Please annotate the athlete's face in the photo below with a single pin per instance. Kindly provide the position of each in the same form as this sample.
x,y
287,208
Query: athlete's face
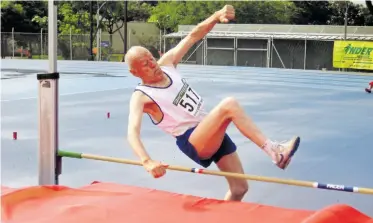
x,y
146,67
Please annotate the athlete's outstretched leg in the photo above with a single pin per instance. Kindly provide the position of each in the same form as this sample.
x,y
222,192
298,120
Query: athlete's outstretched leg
x,y
206,140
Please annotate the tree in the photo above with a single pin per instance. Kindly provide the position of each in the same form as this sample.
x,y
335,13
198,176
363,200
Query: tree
x,y
170,14
113,19
357,15
369,6
331,13
265,12
68,16
139,11
167,14
72,18
19,14
311,12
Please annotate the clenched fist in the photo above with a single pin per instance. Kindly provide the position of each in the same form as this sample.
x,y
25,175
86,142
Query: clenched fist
x,y
155,168
226,13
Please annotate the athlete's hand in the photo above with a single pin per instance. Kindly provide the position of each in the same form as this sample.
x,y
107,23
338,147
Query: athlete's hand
x,y
226,13
155,168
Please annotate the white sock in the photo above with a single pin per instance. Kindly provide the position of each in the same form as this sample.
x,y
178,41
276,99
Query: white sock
x,y
268,148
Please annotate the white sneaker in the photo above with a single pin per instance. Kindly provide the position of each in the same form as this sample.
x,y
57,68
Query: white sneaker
x,y
285,151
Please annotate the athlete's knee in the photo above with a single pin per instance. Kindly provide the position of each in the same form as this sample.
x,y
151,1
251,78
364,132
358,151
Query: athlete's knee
x,y
229,105
239,188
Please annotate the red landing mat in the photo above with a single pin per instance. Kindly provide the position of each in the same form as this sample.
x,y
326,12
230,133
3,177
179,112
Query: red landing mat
x,y
113,203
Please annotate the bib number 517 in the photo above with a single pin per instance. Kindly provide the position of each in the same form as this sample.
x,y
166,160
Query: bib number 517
x,y
190,100
186,105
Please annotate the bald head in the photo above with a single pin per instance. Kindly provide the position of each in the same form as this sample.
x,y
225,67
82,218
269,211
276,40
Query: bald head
x,y
135,53
142,64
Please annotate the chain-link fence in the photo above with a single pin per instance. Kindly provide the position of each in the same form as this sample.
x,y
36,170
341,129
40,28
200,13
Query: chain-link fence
x,y
75,46
262,52
302,54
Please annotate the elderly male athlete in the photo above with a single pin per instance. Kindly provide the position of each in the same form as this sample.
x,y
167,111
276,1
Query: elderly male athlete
x,y
175,107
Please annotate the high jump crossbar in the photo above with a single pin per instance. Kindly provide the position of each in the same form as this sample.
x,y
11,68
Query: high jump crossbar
x,y
317,185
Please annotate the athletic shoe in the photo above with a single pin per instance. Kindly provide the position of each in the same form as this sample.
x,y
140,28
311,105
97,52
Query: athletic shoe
x,y
368,90
285,151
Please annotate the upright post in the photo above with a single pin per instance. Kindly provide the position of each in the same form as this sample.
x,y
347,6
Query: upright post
x,y
48,107
71,45
41,43
91,32
305,53
164,40
97,27
345,26
13,42
346,18
125,29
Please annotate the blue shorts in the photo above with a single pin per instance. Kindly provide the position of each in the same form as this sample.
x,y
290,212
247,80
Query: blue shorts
x,y
227,147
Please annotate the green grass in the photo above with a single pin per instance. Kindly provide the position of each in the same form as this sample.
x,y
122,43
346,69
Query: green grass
x,y
116,57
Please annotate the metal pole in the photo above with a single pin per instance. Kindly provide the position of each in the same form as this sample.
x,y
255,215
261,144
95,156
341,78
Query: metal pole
x,y
160,39
164,39
205,56
164,32
41,43
91,31
279,57
71,46
268,51
235,51
206,45
346,14
345,34
125,29
48,107
97,40
52,36
305,53
203,50
160,36
99,44
13,40
271,51
129,37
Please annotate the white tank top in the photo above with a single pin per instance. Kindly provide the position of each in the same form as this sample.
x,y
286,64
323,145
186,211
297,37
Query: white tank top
x,y
182,106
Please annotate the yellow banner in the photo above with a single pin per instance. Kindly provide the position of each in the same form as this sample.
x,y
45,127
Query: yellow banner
x,y
353,54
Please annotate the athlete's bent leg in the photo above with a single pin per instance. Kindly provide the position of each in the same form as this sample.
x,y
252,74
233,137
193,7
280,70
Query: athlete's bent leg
x,y
204,137
237,187
208,135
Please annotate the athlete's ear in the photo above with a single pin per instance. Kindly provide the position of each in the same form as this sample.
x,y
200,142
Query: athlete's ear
x,y
133,71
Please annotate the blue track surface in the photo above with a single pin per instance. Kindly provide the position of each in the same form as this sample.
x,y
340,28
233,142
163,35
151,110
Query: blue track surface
x,y
330,111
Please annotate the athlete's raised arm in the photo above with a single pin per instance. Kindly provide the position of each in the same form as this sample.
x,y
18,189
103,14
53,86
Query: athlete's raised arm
x,y
175,55
137,102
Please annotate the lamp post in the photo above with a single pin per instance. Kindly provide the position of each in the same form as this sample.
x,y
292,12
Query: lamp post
x,y
98,35
160,36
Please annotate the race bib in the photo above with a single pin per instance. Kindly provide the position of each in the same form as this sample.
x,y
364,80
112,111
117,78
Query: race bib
x,y
188,100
